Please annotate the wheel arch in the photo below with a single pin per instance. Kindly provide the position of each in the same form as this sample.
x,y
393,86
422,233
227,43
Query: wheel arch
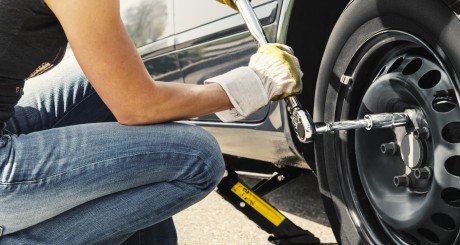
x,y
300,30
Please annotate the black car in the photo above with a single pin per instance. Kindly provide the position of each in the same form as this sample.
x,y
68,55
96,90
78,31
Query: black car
x,y
398,185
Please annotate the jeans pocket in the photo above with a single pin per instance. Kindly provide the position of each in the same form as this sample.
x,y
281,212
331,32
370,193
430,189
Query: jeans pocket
x,y
4,139
3,135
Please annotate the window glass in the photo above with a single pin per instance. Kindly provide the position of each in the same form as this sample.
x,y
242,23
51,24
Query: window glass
x,y
147,20
194,13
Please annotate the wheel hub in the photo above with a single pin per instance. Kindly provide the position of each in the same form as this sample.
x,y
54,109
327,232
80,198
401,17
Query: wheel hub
x,y
403,170
412,151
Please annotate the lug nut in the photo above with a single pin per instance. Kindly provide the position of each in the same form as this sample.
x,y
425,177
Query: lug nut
x,y
422,133
422,173
280,178
401,181
389,148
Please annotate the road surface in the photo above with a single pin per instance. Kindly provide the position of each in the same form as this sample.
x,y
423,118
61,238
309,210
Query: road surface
x,y
214,221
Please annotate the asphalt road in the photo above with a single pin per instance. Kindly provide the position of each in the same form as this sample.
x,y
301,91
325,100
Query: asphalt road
x,y
214,221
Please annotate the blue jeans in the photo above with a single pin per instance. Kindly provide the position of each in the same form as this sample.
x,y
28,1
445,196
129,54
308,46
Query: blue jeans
x,y
69,177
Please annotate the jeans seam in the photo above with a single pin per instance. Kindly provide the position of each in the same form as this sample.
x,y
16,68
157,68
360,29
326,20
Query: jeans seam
x,y
72,109
38,181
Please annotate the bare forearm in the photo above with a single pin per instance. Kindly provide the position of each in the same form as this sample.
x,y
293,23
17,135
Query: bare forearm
x,y
173,101
111,63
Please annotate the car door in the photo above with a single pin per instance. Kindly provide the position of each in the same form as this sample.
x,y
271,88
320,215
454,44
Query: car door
x,y
150,24
211,39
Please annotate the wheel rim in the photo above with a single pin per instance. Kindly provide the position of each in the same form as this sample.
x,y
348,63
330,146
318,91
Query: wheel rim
x,y
408,77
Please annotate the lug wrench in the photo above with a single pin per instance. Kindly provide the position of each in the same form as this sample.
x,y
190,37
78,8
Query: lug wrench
x,y
301,120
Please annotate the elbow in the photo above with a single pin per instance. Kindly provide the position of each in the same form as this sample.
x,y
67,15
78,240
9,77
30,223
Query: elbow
x,y
127,122
130,119
138,118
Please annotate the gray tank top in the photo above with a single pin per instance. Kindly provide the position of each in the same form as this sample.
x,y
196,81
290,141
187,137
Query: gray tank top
x,y
32,41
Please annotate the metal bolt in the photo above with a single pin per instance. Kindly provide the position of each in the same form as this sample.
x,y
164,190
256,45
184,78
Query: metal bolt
x,y
280,178
422,173
401,181
389,148
242,204
422,133
346,80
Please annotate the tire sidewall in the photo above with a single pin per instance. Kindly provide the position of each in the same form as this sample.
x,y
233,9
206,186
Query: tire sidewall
x,y
431,21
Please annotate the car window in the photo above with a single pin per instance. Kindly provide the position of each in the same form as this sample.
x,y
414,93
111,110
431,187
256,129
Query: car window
x,y
147,21
193,13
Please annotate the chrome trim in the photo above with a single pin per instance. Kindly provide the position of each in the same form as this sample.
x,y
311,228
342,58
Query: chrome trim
x,y
285,16
229,22
159,47
256,175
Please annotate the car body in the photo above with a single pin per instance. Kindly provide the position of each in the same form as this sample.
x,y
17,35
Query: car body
x,y
359,56
196,40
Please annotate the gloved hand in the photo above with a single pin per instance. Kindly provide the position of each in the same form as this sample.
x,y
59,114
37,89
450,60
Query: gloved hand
x,y
279,70
273,73
229,3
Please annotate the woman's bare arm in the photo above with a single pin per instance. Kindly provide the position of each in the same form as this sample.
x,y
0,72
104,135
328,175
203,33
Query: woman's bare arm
x,y
111,63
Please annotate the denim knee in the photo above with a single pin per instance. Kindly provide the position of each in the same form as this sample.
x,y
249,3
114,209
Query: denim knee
x,y
211,157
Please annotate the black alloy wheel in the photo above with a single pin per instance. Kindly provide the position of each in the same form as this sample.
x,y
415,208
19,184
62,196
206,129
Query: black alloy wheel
x,y
401,185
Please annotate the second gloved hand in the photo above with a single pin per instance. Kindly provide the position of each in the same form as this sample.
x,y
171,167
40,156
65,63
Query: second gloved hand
x,y
273,73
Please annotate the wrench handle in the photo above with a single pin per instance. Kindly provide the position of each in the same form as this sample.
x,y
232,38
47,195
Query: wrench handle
x,y
251,20
300,119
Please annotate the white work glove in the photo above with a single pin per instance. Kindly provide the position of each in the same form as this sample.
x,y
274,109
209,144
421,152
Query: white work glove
x,y
273,73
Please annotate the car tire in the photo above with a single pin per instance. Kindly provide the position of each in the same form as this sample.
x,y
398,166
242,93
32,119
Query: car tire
x,y
392,56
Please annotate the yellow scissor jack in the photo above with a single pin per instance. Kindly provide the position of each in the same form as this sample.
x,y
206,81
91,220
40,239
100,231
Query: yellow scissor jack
x,y
249,201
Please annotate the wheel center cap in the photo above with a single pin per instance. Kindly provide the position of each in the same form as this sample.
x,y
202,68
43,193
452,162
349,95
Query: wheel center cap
x,y
411,151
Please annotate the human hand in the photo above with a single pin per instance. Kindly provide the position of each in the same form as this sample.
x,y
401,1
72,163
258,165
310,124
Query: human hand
x,y
278,69
273,73
229,3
